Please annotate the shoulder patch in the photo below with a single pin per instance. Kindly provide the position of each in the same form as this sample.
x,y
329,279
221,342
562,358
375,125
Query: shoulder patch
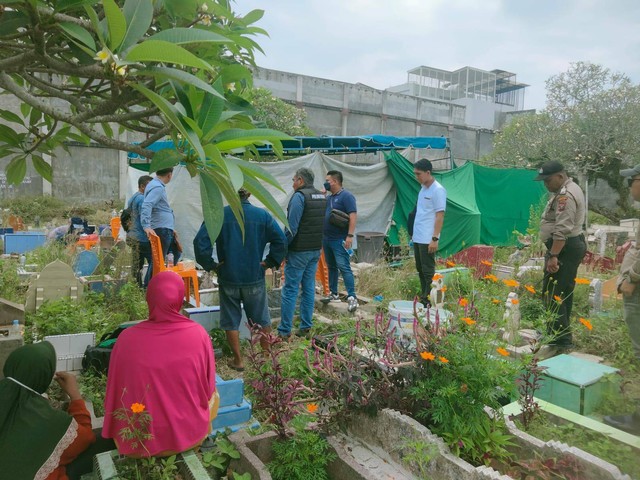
x,y
562,203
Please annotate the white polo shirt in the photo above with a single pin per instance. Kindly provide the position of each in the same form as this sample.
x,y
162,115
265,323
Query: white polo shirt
x,y
430,201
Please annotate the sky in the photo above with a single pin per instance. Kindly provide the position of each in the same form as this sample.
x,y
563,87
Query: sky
x,y
375,42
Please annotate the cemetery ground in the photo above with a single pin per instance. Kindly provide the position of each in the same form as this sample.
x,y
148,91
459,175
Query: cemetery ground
x,y
441,374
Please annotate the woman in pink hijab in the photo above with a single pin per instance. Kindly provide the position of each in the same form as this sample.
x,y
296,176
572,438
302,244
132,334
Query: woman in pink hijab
x,y
167,365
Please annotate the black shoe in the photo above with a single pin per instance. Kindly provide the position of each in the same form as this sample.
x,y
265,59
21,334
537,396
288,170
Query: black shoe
x,y
304,333
629,423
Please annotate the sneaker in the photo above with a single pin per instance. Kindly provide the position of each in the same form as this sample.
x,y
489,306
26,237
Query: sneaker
x,y
332,297
304,333
352,304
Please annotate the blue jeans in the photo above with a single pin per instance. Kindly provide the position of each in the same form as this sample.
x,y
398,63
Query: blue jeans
x,y
337,260
254,302
300,269
166,236
632,317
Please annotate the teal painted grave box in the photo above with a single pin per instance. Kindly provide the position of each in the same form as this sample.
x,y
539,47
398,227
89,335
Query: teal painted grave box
x,y
574,383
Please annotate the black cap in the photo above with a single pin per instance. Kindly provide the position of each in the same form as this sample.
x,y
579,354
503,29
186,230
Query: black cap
x,y
631,172
549,168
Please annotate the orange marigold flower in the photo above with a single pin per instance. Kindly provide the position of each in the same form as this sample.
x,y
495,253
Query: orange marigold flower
x,y
486,262
491,277
511,283
586,323
312,407
443,359
444,288
502,351
463,302
557,298
468,320
450,264
582,281
436,277
495,301
427,355
137,407
530,288
515,301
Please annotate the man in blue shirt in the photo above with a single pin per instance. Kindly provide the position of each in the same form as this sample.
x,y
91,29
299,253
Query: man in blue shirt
x,y
241,268
156,215
305,213
430,207
338,239
136,237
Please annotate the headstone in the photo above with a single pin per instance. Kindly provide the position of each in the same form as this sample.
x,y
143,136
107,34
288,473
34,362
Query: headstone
x,y
86,263
595,295
8,345
56,281
512,319
9,311
70,349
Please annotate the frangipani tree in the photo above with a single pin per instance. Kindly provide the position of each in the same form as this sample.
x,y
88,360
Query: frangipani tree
x,y
149,68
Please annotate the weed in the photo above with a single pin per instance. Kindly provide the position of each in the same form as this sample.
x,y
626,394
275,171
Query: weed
x,y
528,383
93,387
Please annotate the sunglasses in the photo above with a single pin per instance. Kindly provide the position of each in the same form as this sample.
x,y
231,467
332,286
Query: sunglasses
x,y
631,180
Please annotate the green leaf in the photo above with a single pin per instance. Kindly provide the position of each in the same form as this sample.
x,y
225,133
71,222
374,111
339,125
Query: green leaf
x,y
108,131
212,206
116,23
97,26
254,171
262,194
139,15
234,73
11,117
230,194
165,52
182,8
237,138
78,33
165,158
173,116
253,16
25,108
189,35
62,5
179,75
184,100
9,136
42,167
16,170
11,20
210,112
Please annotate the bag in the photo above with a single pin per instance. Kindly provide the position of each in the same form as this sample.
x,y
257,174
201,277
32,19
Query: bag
x,y
125,219
338,218
97,358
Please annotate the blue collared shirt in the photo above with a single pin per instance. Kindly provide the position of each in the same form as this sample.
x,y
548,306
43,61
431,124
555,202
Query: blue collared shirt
x,y
296,209
155,211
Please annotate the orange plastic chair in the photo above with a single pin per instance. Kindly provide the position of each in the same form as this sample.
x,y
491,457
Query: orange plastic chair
x,y
322,273
189,276
115,227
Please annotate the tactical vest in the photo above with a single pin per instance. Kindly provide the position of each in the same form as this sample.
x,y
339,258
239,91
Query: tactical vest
x,y
309,236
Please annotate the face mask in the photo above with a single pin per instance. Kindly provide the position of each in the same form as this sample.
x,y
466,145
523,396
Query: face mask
x,y
327,186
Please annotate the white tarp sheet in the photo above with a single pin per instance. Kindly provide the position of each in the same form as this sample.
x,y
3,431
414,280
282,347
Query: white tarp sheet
x,y
372,186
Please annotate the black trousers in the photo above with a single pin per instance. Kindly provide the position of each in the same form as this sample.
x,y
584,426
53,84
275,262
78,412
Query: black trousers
x,y
426,267
557,288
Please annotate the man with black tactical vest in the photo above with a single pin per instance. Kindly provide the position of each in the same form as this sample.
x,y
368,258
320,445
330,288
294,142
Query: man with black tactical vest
x,y
561,230
305,214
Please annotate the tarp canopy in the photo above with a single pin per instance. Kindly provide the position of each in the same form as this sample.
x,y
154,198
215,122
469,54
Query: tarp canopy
x,y
484,205
372,186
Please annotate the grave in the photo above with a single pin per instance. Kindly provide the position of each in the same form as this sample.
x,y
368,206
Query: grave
x,y
70,349
56,281
86,263
9,311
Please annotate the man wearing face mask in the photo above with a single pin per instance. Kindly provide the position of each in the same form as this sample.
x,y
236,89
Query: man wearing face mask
x,y
338,239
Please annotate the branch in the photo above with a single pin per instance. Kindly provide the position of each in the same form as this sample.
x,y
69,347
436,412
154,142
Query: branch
x,y
17,61
52,90
9,85
126,116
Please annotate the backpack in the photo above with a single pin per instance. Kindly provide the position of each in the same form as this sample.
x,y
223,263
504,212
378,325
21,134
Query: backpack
x,y
125,219
97,358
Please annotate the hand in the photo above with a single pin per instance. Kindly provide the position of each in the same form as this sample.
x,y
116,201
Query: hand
x,y
150,232
627,288
68,384
433,246
348,242
552,265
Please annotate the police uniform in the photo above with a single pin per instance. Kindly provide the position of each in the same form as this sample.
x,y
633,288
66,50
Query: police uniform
x,y
563,219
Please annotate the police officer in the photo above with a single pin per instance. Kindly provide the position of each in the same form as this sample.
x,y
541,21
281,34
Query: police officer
x,y
561,230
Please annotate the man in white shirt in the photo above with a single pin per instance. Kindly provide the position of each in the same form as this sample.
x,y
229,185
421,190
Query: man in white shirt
x,y
430,207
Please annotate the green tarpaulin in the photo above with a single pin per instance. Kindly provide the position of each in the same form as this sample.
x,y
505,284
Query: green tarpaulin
x,y
484,205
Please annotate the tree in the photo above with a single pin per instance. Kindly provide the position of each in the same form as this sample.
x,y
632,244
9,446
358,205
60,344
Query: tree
x,y
590,124
149,68
278,114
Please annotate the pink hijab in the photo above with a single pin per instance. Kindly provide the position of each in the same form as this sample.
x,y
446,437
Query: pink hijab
x,y
165,363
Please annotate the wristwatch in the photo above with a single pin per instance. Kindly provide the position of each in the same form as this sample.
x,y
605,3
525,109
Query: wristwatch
x,y
350,235
435,239
552,255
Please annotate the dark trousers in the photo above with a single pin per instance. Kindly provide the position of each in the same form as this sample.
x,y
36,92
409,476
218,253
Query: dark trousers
x,y
166,237
557,288
426,267
140,251
83,463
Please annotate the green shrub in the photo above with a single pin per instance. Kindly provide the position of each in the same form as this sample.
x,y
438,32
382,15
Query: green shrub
x,y
304,456
10,286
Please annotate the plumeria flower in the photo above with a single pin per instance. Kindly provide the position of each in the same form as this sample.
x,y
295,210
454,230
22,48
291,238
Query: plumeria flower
x,y
502,351
586,323
204,7
427,355
103,55
205,20
122,71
